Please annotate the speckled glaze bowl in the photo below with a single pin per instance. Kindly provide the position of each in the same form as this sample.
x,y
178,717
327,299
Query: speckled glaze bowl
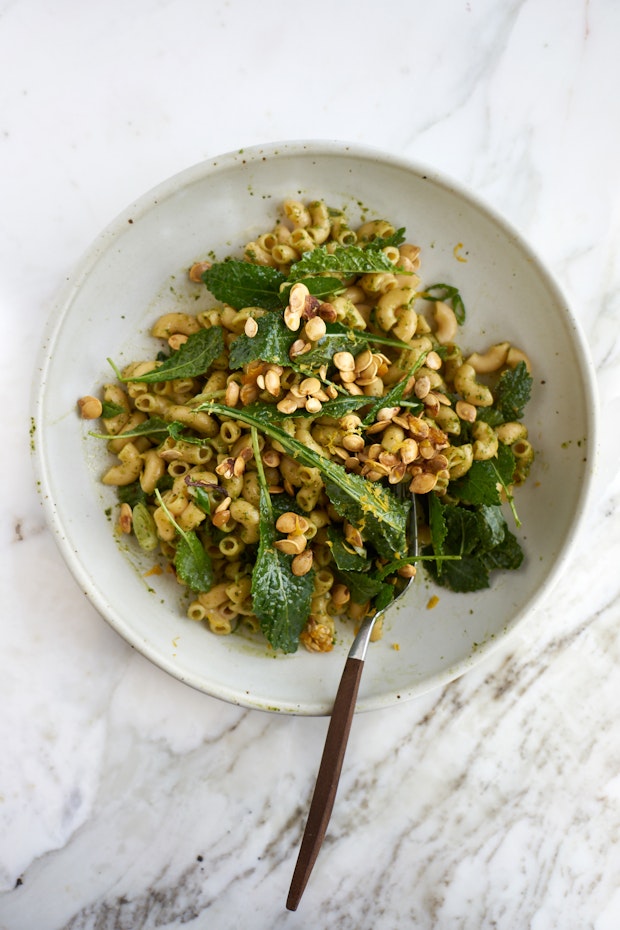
x,y
137,269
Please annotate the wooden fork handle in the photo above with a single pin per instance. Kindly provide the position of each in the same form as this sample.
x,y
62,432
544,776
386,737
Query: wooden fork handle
x,y
327,778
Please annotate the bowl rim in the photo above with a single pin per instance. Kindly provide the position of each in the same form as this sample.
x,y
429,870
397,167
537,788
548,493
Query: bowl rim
x,y
61,304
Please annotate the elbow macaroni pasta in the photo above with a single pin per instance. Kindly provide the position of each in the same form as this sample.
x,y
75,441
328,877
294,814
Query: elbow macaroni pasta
x,y
428,448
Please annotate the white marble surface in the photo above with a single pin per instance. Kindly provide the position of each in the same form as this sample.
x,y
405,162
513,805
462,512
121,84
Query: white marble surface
x,y
128,800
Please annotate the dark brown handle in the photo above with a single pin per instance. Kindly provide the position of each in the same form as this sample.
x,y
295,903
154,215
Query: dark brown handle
x,y
327,779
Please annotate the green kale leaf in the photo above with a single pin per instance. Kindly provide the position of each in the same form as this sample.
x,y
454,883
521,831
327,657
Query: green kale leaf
x,y
346,557
322,287
271,343
476,538
437,526
242,284
479,485
192,563
111,410
464,575
190,361
514,390
365,587
512,393
280,599
191,560
507,555
154,427
341,338
382,242
339,407
344,260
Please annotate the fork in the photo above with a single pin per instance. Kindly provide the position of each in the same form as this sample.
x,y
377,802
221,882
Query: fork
x,y
336,742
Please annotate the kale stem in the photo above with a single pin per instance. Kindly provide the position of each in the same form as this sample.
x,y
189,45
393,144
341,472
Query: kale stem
x,y
161,503
392,567
261,471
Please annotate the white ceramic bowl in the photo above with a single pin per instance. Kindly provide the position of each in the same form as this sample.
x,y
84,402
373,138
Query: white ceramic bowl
x,y
137,269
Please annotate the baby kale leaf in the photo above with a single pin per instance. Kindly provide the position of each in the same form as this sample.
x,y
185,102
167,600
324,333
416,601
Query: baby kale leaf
x,y
191,560
507,555
341,338
491,526
271,343
191,360
382,242
437,526
365,587
344,260
337,408
464,575
242,284
346,557
192,563
514,390
131,494
179,432
340,406
477,536
274,339
480,484
280,599
512,393
468,573
375,511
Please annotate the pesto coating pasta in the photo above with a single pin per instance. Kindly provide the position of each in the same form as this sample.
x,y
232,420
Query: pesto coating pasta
x,y
270,433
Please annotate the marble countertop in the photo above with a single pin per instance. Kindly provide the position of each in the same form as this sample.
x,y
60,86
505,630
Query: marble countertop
x,y
127,800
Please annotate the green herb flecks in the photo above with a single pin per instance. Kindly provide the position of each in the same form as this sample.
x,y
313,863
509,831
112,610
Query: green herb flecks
x,y
280,599
365,587
322,287
131,494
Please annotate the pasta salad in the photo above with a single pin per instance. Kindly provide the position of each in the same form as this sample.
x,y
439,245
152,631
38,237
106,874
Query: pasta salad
x,y
269,448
